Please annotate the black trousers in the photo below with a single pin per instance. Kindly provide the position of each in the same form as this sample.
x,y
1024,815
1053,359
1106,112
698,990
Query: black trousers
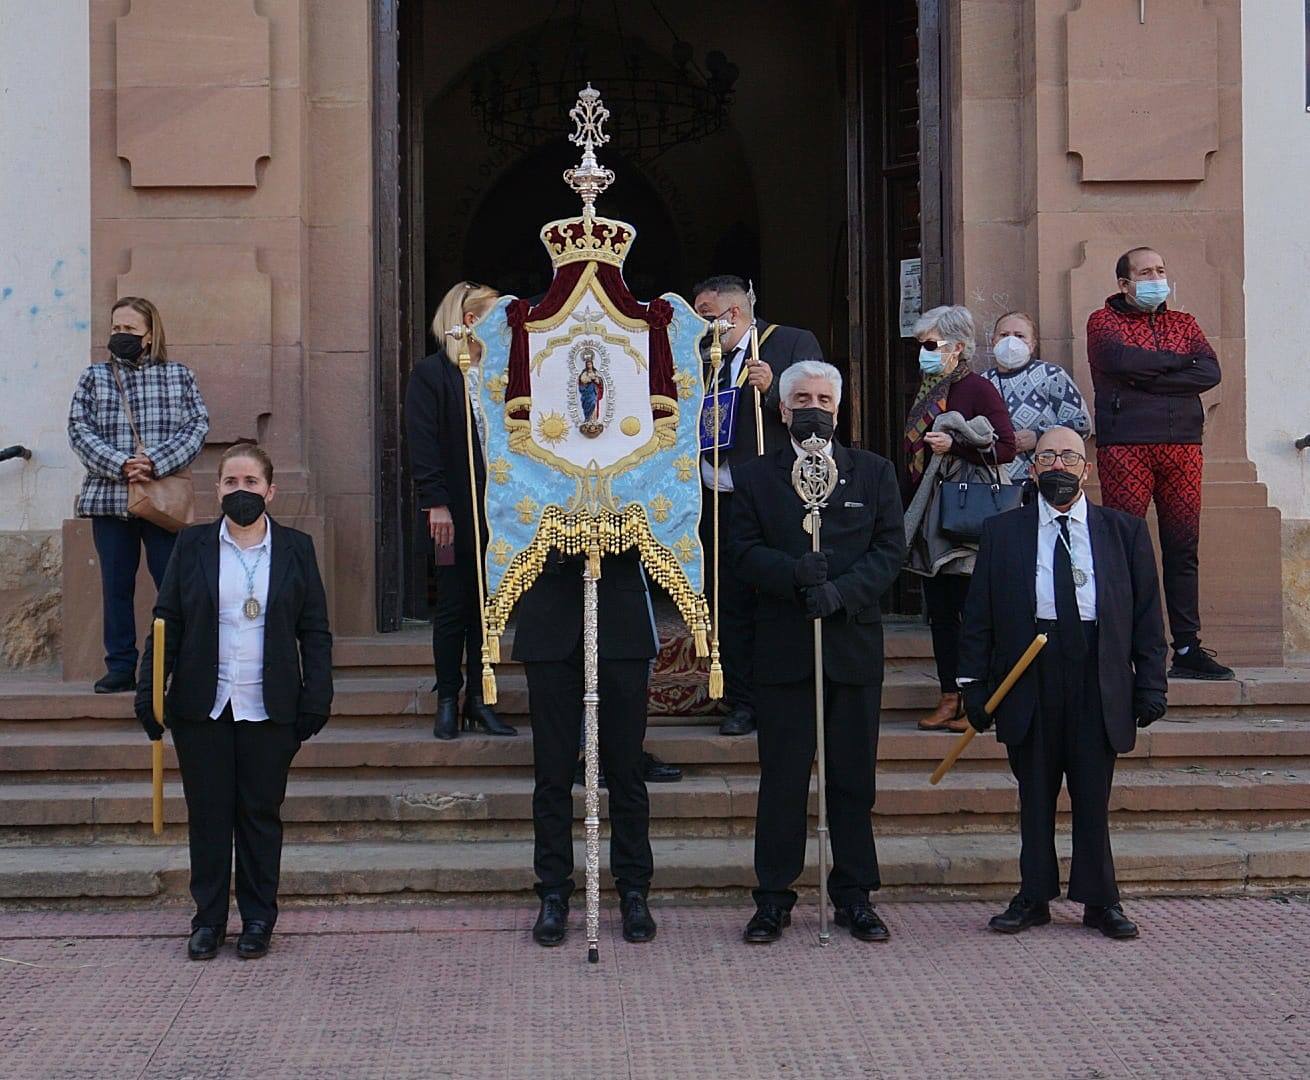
x,y
736,608
118,544
555,705
785,718
1067,740
234,775
944,596
457,628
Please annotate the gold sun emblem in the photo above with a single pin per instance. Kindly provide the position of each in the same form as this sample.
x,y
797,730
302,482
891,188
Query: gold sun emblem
x,y
685,549
686,384
496,388
685,466
526,508
500,551
659,508
499,469
551,428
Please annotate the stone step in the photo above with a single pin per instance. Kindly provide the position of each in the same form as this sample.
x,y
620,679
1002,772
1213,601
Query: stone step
x,y
909,688
1187,861
473,797
103,747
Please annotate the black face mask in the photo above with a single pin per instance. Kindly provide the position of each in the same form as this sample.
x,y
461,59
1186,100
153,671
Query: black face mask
x,y
809,422
126,347
1059,488
243,507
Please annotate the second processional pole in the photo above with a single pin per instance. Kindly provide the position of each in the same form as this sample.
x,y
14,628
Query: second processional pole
x,y
814,478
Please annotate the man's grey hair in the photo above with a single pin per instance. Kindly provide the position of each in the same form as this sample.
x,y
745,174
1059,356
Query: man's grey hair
x,y
949,323
808,369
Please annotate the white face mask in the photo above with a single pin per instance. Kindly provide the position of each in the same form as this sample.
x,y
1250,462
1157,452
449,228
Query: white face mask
x,y
1011,353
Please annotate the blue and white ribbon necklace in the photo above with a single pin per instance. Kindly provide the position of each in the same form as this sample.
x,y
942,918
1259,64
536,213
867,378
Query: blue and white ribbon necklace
x,y
250,608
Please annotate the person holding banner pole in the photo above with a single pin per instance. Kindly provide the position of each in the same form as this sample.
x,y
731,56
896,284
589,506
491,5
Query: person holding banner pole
x,y
1084,576
863,546
248,664
755,354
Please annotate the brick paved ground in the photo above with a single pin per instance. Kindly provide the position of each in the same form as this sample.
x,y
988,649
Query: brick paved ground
x,y
1214,988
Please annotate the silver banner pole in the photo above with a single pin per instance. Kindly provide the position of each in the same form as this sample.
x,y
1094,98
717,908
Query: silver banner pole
x,y
591,738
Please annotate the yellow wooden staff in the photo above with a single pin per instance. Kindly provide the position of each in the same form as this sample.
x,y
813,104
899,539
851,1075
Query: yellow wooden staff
x,y
157,746
993,703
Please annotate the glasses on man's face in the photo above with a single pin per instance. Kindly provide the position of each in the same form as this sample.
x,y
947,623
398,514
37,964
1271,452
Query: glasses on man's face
x,y
1070,458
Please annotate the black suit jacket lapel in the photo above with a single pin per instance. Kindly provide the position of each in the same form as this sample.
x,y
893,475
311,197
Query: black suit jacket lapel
x,y
209,559
1028,553
281,561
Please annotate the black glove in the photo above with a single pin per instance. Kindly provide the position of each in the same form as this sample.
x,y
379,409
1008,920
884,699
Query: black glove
x,y
975,705
1148,706
822,600
308,725
811,569
146,718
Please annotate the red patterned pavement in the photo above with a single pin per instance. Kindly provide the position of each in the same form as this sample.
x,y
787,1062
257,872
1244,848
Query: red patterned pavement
x,y
1213,988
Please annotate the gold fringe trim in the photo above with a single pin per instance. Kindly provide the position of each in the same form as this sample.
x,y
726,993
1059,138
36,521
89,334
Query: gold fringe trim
x,y
488,685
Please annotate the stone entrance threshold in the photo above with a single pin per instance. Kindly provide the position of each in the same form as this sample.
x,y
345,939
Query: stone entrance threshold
x,y
1212,988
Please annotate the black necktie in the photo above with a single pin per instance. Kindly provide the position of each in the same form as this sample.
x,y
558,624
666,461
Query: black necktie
x,y
1072,643
725,370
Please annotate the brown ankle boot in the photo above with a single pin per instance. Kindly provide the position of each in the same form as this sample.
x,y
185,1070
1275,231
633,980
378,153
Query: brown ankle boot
x,y
940,718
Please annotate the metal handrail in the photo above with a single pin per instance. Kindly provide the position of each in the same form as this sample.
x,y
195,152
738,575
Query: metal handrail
x,y
15,452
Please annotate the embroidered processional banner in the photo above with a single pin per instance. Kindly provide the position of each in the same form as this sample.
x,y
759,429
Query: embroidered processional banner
x,y
592,401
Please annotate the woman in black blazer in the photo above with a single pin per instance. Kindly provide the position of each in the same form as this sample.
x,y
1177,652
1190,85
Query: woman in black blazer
x,y
437,440
248,665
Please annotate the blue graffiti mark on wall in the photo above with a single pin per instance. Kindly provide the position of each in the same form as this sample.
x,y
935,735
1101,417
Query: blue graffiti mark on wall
x,y
33,310
81,324
59,294
59,265
6,292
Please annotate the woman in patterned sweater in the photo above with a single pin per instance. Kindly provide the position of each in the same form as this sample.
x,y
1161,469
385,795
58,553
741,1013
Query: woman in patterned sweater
x,y
170,415
1038,395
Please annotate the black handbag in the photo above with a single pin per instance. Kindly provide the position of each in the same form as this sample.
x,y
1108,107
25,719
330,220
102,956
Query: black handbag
x,y
965,505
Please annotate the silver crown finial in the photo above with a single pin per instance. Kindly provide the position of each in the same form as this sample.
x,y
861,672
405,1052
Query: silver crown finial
x,y
588,178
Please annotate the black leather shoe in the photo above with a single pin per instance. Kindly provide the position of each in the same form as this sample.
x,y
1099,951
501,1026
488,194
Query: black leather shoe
x,y
1111,921
446,724
638,923
479,716
204,942
115,682
655,771
766,924
253,942
863,921
552,921
1021,914
580,774
738,722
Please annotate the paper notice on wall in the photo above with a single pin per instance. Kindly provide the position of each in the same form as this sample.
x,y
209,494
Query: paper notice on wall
x,y
911,294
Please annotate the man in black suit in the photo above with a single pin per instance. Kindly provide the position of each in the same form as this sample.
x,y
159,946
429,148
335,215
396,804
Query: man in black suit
x,y
863,548
548,640
727,296
1084,575
248,665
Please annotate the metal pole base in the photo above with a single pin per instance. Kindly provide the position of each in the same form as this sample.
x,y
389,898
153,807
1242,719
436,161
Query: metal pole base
x,y
593,955
824,938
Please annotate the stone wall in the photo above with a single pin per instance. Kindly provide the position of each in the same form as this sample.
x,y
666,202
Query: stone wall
x,y
30,598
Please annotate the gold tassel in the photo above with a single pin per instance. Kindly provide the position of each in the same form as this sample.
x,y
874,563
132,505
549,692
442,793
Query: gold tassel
x,y
593,563
493,648
702,644
716,671
488,685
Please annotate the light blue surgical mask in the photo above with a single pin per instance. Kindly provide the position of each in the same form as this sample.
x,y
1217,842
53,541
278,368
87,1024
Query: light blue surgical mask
x,y
931,363
1151,294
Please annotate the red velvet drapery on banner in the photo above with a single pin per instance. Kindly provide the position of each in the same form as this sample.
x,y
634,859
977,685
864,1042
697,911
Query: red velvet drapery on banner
x,y
656,315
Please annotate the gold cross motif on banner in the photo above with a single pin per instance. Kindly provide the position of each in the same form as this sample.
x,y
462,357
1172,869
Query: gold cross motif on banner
x,y
685,466
685,549
686,384
500,551
499,470
526,508
660,507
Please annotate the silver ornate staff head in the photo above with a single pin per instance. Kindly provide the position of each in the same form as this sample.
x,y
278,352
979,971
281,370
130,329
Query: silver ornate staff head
x,y
814,476
589,178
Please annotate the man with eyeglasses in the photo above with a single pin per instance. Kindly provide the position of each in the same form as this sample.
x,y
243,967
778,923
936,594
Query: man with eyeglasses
x,y
1150,364
1084,575
727,296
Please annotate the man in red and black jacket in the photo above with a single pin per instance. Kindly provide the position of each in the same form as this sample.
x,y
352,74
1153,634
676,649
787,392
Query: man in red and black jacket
x,y
1149,367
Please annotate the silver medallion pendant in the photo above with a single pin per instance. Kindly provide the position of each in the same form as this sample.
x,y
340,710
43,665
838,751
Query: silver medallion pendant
x,y
251,607
1079,577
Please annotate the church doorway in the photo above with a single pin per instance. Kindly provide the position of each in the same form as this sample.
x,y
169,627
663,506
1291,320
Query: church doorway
x,y
809,175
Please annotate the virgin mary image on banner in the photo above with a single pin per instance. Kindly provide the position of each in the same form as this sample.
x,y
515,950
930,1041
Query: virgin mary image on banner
x,y
591,392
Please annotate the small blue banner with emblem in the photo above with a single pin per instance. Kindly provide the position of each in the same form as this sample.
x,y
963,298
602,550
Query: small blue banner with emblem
x,y
718,419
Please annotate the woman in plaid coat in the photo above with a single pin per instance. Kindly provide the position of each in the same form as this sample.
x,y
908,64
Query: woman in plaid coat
x,y
171,418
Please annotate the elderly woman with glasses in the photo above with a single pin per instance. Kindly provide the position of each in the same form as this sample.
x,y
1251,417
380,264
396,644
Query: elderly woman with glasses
x,y
947,338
